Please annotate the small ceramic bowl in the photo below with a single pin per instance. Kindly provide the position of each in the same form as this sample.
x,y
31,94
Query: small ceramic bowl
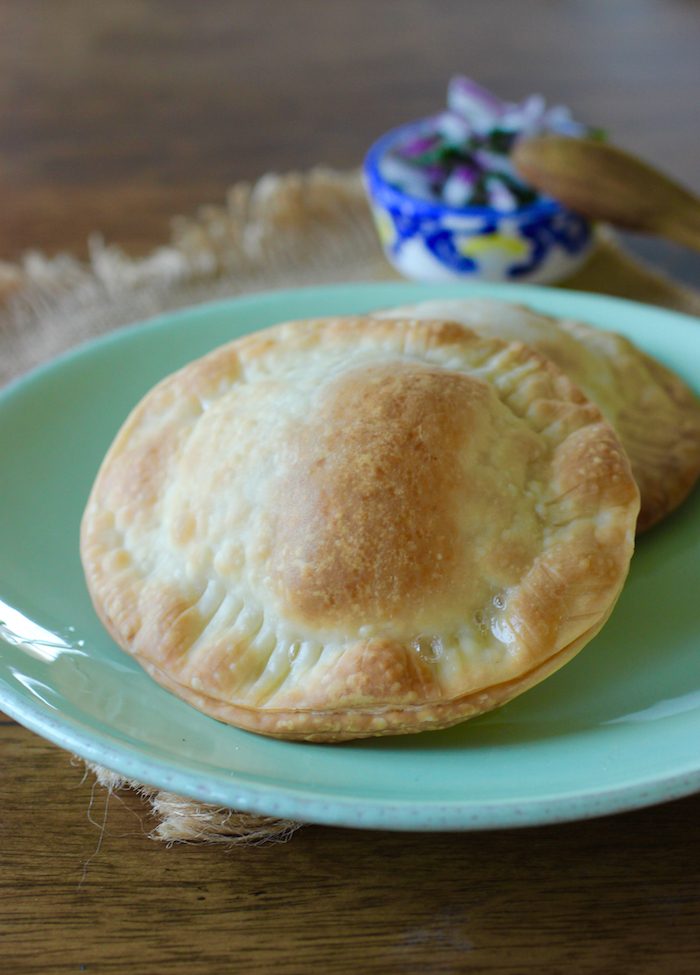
x,y
430,241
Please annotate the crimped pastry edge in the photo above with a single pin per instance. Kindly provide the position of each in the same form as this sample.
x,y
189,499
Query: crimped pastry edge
x,y
301,725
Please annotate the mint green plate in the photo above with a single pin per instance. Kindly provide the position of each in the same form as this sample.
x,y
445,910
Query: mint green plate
x,y
617,728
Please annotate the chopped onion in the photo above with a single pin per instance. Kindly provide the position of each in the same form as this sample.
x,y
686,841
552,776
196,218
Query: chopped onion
x,y
465,160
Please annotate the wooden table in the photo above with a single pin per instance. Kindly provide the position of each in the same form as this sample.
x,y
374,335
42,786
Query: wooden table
x,y
113,117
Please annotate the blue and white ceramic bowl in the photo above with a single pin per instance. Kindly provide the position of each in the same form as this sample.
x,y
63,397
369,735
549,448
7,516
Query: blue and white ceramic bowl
x,y
429,241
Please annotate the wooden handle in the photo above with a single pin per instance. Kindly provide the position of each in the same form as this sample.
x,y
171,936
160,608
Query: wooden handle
x,y
603,183
683,226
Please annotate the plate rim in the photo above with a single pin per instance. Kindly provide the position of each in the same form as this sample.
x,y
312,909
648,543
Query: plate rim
x,y
408,816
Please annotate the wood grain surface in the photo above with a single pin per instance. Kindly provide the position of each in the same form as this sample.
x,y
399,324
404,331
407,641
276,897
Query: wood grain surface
x,y
618,895
113,117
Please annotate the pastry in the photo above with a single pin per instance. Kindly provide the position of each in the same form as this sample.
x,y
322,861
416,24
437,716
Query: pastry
x,y
347,527
655,414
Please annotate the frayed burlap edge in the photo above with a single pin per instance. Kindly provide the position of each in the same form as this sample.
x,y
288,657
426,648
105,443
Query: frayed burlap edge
x,y
285,231
184,820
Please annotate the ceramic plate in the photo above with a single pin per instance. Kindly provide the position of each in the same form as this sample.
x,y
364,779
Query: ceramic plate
x,y
617,728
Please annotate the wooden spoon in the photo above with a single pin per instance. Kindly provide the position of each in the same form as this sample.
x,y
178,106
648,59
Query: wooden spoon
x,y
603,183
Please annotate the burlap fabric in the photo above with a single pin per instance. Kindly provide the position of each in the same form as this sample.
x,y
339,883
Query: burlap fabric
x,y
286,231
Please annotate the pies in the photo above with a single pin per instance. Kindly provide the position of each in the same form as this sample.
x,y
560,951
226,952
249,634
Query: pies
x,y
348,527
654,413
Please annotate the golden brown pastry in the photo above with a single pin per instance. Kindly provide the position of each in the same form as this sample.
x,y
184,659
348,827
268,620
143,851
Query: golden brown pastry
x,y
654,413
348,527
